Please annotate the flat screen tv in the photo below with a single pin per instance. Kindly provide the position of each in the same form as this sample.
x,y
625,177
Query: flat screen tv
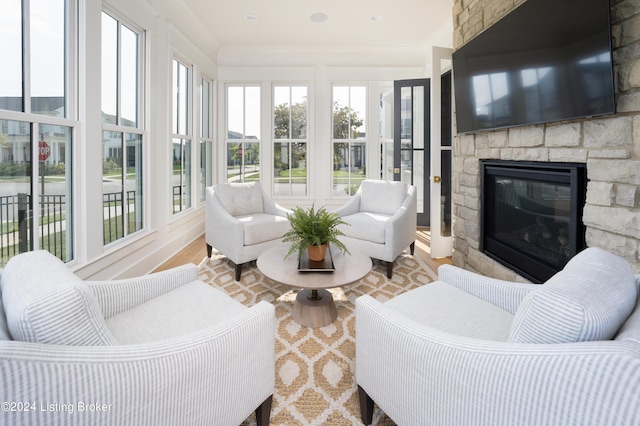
x,y
548,60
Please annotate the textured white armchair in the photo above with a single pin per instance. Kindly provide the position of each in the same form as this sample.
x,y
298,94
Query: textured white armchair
x,y
382,218
242,222
163,349
471,350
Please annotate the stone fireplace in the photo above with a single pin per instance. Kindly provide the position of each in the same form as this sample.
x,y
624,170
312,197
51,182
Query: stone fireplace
x,y
531,215
609,147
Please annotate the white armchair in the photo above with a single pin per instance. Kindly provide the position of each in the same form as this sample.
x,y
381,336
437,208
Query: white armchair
x,y
382,217
163,349
242,222
468,349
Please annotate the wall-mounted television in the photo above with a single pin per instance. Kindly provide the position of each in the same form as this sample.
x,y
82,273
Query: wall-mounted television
x,y
547,60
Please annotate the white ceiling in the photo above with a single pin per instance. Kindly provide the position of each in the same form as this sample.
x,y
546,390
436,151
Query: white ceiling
x,y
402,23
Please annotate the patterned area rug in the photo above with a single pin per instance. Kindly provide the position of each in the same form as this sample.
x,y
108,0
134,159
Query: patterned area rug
x,y
315,366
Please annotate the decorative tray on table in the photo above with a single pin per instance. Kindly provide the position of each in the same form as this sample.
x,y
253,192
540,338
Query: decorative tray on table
x,y
307,265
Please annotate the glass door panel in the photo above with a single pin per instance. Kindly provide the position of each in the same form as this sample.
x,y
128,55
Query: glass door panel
x,y
411,140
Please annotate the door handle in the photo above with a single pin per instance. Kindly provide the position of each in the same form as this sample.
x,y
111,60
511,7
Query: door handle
x,y
437,179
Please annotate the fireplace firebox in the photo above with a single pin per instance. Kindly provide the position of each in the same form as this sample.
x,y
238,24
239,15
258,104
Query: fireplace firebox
x,y
531,215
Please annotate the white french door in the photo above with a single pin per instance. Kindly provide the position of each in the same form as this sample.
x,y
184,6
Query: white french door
x,y
441,157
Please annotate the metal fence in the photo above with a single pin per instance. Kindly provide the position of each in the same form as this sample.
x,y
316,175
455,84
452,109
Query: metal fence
x,y
17,221
114,217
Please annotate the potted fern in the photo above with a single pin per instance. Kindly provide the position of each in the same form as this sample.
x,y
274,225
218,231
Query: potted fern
x,y
313,230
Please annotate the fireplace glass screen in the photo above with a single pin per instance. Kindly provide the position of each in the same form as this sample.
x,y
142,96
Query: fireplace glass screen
x,y
531,215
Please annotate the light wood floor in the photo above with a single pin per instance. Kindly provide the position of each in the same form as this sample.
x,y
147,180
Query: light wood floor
x,y
196,251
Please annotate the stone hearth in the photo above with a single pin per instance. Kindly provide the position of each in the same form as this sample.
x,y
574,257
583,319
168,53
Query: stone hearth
x,y
610,146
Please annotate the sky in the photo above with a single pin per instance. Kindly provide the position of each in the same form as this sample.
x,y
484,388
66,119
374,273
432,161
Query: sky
x,y
47,47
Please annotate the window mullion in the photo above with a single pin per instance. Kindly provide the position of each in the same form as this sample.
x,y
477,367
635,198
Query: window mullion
x,y
26,57
118,73
123,186
36,189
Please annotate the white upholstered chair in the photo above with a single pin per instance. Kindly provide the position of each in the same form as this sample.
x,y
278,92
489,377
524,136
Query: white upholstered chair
x,y
162,349
382,218
468,349
242,222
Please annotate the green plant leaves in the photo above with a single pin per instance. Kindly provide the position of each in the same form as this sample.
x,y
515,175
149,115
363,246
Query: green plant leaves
x,y
313,227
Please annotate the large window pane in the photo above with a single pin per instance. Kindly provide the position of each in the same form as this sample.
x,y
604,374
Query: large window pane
x,y
243,133
290,115
20,214
11,96
48,57
121,144
181,138
36,159
349,138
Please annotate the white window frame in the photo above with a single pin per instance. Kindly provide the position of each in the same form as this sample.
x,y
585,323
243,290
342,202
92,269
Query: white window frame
x,y
349,141
290,141
242,140
70,120
188,136
206,152
139,129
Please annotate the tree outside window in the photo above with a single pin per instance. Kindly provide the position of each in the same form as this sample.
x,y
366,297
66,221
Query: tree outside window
x,y
349,138
290,118
243,133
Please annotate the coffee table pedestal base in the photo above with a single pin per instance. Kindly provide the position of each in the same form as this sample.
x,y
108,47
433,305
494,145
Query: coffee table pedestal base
x,y
314,308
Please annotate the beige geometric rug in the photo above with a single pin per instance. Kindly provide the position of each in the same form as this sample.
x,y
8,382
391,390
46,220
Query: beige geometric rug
x,y
315,366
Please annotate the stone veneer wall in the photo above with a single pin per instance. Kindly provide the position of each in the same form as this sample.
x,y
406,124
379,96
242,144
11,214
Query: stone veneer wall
x,y
609,145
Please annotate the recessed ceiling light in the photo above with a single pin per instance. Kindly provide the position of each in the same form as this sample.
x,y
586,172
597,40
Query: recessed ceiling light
x,y
318,17
251,17
375,18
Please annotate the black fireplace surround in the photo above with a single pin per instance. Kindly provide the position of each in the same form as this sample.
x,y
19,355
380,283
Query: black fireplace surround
x,y
531,215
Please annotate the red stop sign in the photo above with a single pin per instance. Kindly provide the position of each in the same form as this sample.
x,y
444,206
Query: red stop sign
x,y
43,151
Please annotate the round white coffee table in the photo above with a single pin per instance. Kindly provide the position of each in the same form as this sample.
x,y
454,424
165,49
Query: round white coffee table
x,y
314,305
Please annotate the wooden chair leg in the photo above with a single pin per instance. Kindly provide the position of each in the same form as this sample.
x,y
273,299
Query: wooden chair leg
x,y
366,406
238,271
263,412
209,250
389,269
412,247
